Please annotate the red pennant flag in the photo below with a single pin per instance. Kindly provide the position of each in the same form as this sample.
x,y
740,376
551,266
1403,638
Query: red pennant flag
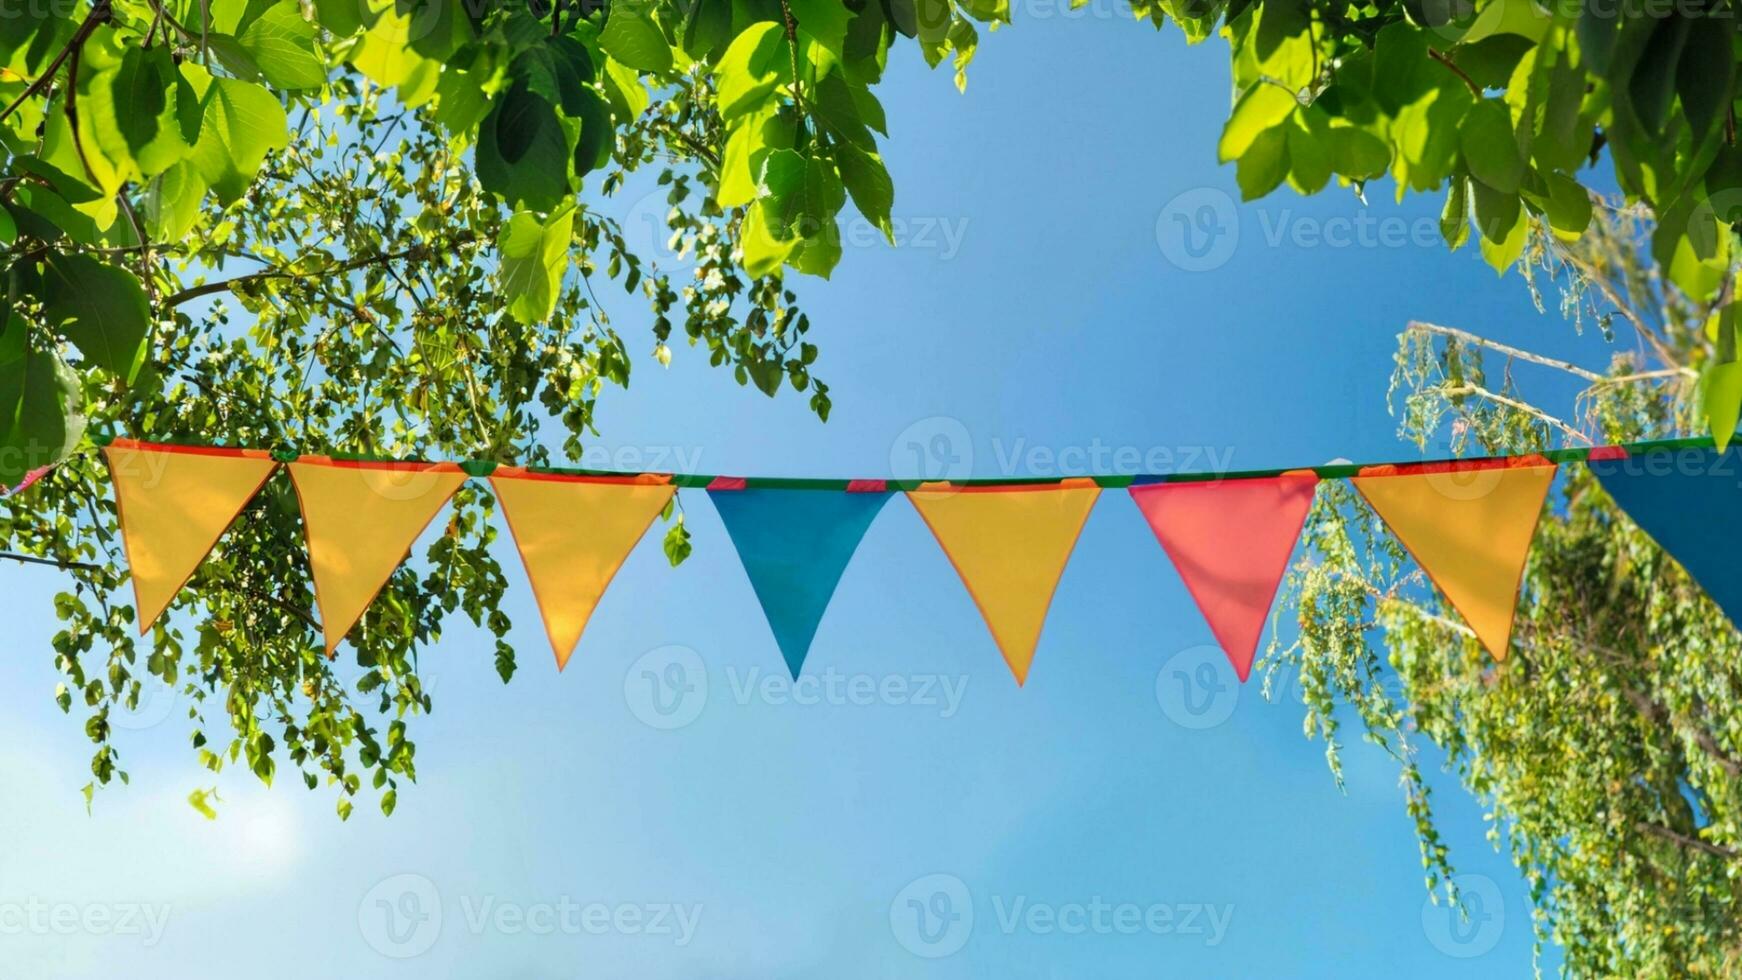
x,y
1230,541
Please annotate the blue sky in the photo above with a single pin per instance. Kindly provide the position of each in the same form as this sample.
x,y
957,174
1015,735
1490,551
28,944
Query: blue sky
x,y
1115,818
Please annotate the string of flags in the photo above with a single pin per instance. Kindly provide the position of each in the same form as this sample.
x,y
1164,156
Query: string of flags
x,y
1468,523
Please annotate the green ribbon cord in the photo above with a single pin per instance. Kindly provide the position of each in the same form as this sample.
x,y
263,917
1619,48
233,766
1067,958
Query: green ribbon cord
x,y
481,468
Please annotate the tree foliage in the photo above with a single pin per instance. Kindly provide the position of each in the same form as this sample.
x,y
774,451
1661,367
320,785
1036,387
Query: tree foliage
x,y
1606,748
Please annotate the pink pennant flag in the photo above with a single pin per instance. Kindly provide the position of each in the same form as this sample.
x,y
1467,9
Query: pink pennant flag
x,y
1230,541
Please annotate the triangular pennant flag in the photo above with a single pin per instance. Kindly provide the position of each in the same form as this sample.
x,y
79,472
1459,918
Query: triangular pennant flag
x,y
1684,499
1230,541
1469,526
360,520
573,534
173,504
794,546
1010,545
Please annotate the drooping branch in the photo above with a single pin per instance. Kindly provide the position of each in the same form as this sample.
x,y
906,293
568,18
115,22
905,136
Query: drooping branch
x,y
1419,326
1691,843
414,253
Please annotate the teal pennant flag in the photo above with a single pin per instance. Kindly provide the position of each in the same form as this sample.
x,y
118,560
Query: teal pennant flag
x,y
794,545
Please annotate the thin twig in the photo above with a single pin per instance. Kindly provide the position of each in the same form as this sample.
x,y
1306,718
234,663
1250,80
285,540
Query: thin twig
x,y
1513,403
1693,843
84,566
1452,66
99,14
1510,351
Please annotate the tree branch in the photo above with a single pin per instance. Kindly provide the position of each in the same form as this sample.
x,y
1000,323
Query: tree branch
x,y
55,562
1452,67
1691,843
1420,326
100,13
417,251
1513,403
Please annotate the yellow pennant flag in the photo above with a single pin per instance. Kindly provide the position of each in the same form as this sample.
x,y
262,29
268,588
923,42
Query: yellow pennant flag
x,y
573,534
1010,545
361,519
1469,526
174,503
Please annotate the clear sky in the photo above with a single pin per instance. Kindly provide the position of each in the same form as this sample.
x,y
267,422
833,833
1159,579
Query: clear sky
x,y
1043,313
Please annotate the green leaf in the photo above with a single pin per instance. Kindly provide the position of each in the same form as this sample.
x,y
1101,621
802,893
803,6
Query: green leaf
x,y
172,202
1568,207
867,181
200,800
534,258
1261,106
1309,163
1706,72
1455,216
742,160
1651,88
524,153
1264,164
40,414
1489,147
676,542
233,56
282,44
241,124
1496,211
824,20
624,91
632,38
101,308
1503,251
750,69
1355,153
1721,379
143,104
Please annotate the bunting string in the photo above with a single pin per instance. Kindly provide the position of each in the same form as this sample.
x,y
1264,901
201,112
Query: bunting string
x,y
1468,523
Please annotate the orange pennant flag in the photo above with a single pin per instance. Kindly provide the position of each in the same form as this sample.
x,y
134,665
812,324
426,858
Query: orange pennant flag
x,y
573,534
1469,526
174,503
361,519
1010,545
